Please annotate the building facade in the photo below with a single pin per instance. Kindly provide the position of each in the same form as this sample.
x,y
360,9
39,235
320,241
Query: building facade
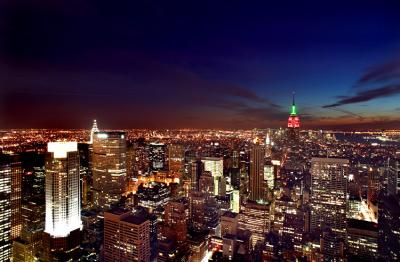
x,y
109,167
328,194
61,239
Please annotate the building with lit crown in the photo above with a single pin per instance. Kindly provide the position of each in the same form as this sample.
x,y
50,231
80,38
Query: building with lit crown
x,y
293,122
61,239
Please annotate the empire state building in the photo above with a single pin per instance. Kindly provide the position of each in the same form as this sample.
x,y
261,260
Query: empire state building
x,y
293,122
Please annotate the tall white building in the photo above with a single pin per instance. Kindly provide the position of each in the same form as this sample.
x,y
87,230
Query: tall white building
x,y
63,206
94,130
215,165
61,238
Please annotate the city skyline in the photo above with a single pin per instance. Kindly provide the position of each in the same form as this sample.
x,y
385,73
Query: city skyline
x,y
208,65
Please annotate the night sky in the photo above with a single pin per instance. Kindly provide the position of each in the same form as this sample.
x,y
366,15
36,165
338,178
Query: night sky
x,y
199,64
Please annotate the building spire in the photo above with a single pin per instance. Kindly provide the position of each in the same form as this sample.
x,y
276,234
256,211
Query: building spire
x,y
94,129
293,93
293,109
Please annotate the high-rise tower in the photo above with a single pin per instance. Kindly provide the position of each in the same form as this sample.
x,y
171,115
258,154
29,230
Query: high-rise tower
x,y
63,207
293,121
258,186
94,130
109,167
328,194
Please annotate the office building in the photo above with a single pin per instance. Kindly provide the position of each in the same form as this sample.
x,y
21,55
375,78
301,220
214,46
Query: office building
x,y
176,215
206,183
109,167
153,195
61,239
126,236
196,168
389,228
229,223
258,186
255,218
331,247
328,194
393,180
157,156
176,157
5,209
197,210
362,239
215,165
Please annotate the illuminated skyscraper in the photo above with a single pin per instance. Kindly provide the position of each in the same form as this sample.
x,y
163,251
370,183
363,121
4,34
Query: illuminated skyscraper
x,y
362,239
293,122
16,188
157,153
63,207
268,146
215,165
5,210
328,194
258,186
176,157
93,131
255,218
109,167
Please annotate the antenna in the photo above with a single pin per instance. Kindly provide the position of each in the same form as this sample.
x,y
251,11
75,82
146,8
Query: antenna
x,y
293,93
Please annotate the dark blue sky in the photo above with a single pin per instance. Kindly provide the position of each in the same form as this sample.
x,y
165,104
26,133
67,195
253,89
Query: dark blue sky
x,y
222,64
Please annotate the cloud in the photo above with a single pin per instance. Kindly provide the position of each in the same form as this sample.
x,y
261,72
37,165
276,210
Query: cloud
x,y
382,72
367,95
347,112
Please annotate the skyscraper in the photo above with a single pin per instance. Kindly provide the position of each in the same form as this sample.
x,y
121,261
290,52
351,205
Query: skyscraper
x,y
255,218
328,194
109,167
5,209
388,228
393,184
176,157
215,165
293,122
258,185
16,190
94,130
196,169
157,153
126,236
175,217
61,239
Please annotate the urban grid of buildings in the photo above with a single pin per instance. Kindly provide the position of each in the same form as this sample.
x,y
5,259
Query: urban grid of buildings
x,y
199,195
